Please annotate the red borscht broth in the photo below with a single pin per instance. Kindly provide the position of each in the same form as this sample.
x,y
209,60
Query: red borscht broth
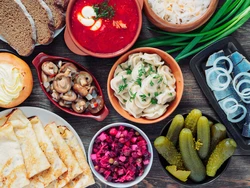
x,y
104,26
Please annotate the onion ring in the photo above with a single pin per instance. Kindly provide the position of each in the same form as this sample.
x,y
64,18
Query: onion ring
x,y
223,58
241,117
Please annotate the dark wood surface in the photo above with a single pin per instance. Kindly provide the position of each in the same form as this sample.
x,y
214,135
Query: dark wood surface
x,y
236,175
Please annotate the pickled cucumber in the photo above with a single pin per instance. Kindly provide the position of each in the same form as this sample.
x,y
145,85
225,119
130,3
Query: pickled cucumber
x,y
192,119
221,153
218,133
210,123
179,174
175,128
190,157
167,149
203,136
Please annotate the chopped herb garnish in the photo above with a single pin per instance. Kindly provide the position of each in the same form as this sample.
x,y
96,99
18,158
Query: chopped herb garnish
x,y
154,101
138,81
151,83
160,79
120,66
143,97
124,100
129,71
149,94
141,71
171,94
124,85
151,68
132,95
103,10
156,94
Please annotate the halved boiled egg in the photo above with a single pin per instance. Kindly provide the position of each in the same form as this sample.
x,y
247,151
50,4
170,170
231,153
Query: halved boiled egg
x,y
88,12
97,25
85,21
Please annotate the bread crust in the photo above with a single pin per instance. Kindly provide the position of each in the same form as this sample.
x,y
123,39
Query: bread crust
x,y
25,73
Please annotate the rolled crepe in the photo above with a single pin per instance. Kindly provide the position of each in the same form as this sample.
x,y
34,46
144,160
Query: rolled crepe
x,y
34,159
57,167
86,178
65,154
13,172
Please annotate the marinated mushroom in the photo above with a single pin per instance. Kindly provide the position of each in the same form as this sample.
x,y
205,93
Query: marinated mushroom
x,y
64,103
49,68
96,104
73,69
83,78
79,105
69,96
83,91
55,95
62,83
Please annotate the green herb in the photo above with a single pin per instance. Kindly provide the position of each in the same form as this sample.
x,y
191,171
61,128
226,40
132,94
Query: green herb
x,y
124,85
141,71
156,94
229,17
132,95
171,94
151,83
138,81
143,97
149,94
154,101
124,100
129,71
103,10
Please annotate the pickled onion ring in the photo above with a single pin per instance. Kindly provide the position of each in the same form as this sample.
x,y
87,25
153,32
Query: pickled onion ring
x,y
237,120
230,69
218,86
225,108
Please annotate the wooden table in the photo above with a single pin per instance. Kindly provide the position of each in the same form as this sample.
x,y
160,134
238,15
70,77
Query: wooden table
x,y
238,172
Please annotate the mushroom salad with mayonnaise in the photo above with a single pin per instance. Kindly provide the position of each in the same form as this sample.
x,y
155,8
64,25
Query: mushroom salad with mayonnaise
x,y
70,87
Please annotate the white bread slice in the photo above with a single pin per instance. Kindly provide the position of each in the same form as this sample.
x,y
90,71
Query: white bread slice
x,y
42,16
58,16
17,26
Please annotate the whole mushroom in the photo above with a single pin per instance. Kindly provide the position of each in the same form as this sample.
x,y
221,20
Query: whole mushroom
x,y
69,96
49,68
69,66
83,91
55,95
83,78
96,104
64,103
62,83
79,105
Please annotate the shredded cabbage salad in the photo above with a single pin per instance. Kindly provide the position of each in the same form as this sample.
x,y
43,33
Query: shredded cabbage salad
x,y
179,11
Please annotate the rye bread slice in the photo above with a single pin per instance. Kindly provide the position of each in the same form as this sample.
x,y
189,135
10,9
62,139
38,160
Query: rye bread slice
x,y
63,4
58,16
42,16
17,26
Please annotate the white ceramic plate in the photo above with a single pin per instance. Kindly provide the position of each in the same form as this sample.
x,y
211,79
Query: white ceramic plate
x,y
57,32
46,117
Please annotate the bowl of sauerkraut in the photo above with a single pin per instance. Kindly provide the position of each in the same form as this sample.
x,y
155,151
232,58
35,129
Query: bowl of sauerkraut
x,y
145,85
179,16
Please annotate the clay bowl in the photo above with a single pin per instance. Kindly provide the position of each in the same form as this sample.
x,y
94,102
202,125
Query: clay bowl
x,y
77,48
173,65
190,183
182,28
42,57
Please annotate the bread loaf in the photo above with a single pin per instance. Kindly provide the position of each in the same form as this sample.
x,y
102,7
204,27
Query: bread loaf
x,y
17,26
62,4
43,18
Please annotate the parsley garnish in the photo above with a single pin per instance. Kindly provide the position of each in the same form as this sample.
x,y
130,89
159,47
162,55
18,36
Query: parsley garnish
x,y
171,94
154,101
133,95
103,10
143,97
141,71
138,81
151,83
124,100
124,85
129,71
156,94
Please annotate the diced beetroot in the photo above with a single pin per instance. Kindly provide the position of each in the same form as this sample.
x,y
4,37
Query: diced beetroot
x,y
122,158
113,131
120,154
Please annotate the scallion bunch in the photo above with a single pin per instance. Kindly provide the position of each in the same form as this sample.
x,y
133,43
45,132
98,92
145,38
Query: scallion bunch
x,y
229,17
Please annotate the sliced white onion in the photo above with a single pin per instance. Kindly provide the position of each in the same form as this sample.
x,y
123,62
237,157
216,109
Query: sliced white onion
x,y
230,63
245,93
225,102
237,120
217,85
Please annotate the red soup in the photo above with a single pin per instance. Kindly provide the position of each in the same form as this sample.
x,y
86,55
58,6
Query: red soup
x,y
103,26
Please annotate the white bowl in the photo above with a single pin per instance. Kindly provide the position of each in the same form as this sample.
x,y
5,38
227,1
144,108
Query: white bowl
x,y
126,184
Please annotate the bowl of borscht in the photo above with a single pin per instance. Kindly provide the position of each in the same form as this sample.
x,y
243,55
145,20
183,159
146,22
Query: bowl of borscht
x,y
102,28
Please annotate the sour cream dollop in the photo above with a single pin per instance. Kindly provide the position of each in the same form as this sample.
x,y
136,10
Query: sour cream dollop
x,y
11,83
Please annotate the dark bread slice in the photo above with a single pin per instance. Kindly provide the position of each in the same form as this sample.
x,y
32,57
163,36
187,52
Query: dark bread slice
x,y
63,4
17,27
59,19
42,16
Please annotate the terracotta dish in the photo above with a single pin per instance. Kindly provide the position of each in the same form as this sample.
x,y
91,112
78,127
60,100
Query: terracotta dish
x,y
39,61
16,80
179,28
176,71
86,46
